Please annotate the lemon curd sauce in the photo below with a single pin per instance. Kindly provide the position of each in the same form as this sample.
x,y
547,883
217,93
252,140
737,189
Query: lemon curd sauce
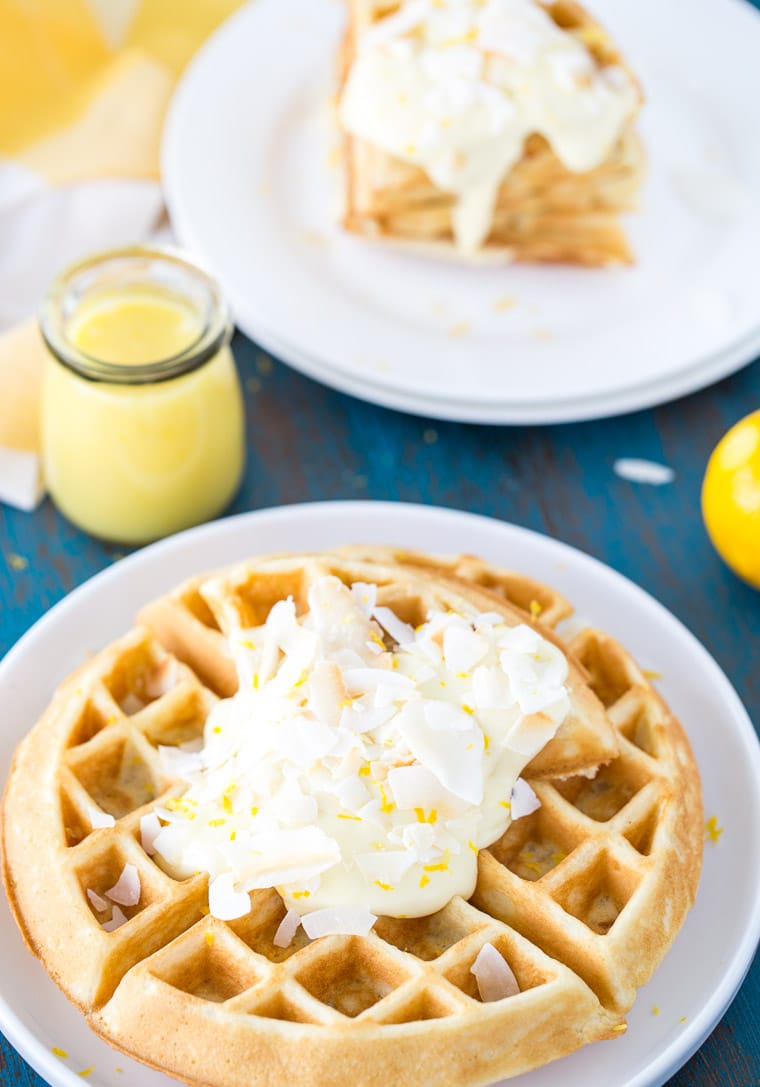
x,y
142,419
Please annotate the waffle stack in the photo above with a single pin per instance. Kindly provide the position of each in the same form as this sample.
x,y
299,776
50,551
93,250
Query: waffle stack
x,y
544,212
582,898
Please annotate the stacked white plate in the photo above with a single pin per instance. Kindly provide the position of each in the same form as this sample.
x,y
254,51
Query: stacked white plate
x,y
251,186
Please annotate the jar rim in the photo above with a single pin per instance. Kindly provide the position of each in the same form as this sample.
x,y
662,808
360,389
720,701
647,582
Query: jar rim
x,y
215,333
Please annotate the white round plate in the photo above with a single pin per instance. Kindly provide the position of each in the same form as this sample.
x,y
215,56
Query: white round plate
x,y
711,955
252,192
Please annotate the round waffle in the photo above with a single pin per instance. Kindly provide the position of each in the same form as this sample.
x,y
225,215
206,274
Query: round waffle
x,y
582,898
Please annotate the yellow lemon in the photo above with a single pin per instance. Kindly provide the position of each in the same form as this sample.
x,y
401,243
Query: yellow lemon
x,y
731,498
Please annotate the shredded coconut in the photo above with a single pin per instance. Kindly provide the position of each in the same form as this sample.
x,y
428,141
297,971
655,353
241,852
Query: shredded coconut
x,y
126,891
494,976
643,471
338,921
287,929
99,819
348,774
117,919
524,800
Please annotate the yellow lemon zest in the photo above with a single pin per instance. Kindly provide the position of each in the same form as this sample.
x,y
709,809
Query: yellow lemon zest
x,y
424,880
386,806
712,830
382,886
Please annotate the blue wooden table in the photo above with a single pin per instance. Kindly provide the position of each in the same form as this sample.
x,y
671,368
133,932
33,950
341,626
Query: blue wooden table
x,y
307,442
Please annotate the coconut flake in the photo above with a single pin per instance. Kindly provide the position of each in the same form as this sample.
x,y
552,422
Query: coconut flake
x,y
454,756
163,678
132,704
192,746
288,856
365,596
287,929
116,921
224,901
150,828
494,976
338,921
99,819
99,903
463,649
400,631
177,763
531,733
643,471
524,800
126,891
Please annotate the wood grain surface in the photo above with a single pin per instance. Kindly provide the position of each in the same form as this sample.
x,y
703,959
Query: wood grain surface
x,y
309,443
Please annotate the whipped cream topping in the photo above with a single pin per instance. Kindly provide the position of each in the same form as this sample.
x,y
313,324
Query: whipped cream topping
x,y
362,763
455,86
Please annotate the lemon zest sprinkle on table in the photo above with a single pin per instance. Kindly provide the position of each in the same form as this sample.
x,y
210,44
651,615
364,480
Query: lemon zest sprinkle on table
x,y
655,1010
17,562
712,830
56,1051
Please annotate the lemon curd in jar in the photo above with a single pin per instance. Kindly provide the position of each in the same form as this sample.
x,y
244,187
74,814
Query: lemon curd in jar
x,y
142,416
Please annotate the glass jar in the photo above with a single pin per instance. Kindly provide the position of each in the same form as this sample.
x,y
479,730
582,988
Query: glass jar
x,y
142,415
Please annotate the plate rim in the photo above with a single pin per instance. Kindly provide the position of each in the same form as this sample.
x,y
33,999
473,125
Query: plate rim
x,y
704,370
678,1051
